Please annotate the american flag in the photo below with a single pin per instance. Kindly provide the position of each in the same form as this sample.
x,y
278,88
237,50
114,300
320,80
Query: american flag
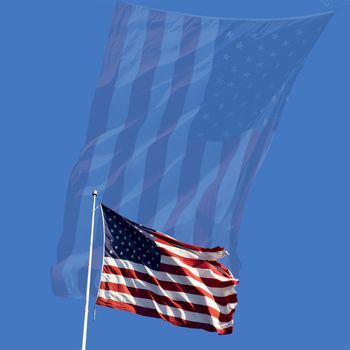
x,y
182,118
151,274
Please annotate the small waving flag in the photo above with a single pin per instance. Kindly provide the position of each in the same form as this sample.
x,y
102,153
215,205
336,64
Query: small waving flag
x,y
149,273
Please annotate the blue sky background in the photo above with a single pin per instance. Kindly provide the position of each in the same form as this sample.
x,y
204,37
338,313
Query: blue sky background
x,y
293,239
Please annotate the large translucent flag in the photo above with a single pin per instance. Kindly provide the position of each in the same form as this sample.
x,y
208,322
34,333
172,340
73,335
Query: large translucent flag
x,y
183,115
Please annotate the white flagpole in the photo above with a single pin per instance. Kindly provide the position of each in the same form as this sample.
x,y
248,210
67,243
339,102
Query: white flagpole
x,y
86,313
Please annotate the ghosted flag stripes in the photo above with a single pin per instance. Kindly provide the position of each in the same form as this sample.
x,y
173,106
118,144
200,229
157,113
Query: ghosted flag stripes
x,y
182,118
151,274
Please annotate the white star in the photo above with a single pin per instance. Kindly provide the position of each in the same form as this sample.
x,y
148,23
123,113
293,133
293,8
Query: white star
x,y
206,117
239,45
275,36
248,59
231,84
246,75
221,106
226,57
261,48
300,32
219,80
234,70
273,54
285,43
230,34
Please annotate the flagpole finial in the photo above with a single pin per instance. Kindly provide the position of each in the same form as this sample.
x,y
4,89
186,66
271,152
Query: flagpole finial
x,y
94,193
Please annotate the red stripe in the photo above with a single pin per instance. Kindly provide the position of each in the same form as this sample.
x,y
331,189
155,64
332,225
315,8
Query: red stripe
x,y
172,286
177,243
164,300
153,313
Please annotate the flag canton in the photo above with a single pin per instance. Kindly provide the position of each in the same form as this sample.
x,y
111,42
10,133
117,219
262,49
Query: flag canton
x,y
128,241
252,64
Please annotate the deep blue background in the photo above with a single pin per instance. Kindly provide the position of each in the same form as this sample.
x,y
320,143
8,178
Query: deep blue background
x,y
293,239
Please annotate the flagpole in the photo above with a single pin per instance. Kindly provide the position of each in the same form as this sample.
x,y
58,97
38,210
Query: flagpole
x,y
86,312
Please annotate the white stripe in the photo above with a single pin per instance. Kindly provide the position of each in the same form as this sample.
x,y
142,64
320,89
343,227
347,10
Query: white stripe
x,y
179,296
192,254
224,200
166,277
208,171
178,140
231,177
160,92
164,309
